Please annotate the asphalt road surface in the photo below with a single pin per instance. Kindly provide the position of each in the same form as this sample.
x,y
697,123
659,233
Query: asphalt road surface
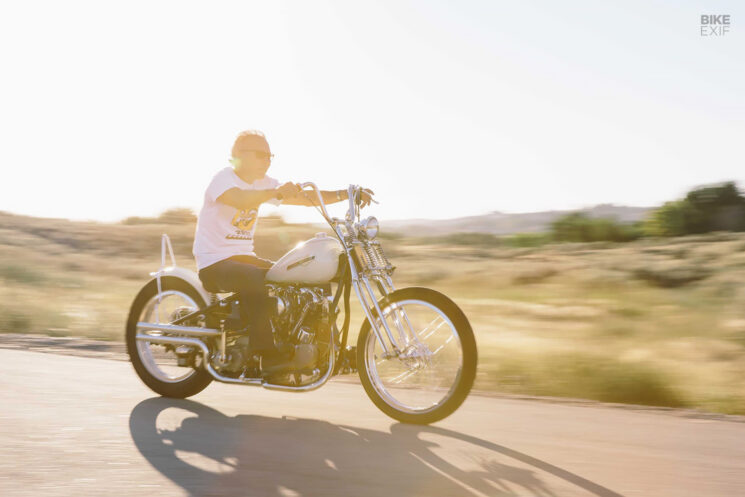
x,y
77,426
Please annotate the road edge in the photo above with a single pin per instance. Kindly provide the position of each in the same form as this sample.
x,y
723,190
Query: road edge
x,y
117,351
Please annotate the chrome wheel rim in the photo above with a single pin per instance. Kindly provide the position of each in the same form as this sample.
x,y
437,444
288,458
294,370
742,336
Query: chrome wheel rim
x,y
428,371
158,361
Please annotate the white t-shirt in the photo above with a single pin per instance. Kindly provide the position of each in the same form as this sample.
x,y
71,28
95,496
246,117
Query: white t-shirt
x,y
224,231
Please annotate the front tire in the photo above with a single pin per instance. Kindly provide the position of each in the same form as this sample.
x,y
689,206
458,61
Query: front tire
x,y
434,379
150,364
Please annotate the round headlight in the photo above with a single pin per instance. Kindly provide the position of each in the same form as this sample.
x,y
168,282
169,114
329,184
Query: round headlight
x,y
369,227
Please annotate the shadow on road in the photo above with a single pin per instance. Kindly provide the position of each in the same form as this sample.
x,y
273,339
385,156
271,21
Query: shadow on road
x,y
210,454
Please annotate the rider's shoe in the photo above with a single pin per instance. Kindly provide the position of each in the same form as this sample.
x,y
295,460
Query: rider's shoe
x,y
291,359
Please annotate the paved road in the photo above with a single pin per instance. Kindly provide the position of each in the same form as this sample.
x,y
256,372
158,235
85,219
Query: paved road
x,y
78,426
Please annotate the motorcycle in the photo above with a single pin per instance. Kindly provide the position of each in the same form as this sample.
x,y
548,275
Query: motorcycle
x,y
415,353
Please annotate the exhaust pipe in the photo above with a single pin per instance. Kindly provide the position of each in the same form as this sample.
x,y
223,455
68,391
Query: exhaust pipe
x,y
164,340
202,347
181,330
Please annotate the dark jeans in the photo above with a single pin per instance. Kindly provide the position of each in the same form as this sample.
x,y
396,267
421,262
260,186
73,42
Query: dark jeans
x,y
244,275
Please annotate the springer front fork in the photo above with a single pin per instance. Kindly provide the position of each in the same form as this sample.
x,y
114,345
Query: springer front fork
x,y
398,337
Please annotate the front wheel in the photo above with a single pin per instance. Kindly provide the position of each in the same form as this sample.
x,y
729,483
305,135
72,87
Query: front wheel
x,y
435,370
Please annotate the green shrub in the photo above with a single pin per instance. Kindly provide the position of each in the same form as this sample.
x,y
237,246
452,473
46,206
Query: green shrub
x,y
579,227
14,321
526,239
22,274
704,209
672,219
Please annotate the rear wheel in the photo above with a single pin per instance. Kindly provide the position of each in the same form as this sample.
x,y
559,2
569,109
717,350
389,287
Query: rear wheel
x,y
434,373
156,365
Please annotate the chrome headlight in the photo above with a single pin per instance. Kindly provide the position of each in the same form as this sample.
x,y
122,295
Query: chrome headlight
x,y
369,227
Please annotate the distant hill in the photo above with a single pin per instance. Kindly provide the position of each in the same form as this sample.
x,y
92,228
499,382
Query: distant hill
x,y
139,237
499,223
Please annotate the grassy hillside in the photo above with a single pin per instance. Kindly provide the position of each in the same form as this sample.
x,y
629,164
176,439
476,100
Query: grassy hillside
x,y
658,322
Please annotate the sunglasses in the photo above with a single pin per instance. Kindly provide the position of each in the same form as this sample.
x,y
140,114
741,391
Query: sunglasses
x,y
261,154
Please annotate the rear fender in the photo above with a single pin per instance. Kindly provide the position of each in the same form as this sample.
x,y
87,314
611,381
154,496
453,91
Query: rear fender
x,y
189,277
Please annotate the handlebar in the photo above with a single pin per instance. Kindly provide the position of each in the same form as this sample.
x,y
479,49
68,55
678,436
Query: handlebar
x,y
352,193
318,193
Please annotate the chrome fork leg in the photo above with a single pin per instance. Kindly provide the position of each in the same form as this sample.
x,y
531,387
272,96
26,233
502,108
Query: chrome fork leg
x,y
386,287
373,319
401,313
366,309
380,315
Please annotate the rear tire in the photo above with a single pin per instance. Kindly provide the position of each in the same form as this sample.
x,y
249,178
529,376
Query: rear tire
x,y
193,382
386,394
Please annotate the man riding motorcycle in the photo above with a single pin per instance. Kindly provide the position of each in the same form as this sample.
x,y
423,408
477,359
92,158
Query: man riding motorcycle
x,y
223,241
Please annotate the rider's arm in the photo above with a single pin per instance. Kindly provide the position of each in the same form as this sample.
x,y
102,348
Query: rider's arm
x,y
310,198
247,199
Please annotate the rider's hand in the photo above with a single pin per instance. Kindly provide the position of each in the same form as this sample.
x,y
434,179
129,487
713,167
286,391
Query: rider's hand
x,y
288,190
366,197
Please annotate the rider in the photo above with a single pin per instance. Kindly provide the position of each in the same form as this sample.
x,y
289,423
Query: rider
x,y
223,242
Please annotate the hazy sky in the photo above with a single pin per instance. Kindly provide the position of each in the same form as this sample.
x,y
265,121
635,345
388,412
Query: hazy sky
x,y
114,109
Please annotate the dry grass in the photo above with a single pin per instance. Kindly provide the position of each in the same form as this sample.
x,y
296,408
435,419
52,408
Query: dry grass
x,y
657,322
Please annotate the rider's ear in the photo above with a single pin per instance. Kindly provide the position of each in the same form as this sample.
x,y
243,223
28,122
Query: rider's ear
x,y
235,161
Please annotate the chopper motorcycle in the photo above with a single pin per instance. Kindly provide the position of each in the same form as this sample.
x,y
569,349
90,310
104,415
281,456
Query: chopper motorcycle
x,y
415,354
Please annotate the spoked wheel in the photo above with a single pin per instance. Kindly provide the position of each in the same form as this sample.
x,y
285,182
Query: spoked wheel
x,y
434,373
155,364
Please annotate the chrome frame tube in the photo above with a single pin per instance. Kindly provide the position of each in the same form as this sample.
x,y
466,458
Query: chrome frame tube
x,y
223,357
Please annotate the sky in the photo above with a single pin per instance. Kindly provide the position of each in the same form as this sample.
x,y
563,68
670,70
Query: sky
x,y
444,109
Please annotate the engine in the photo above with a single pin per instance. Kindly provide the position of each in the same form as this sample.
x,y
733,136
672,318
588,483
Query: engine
x,y
299,317
302,314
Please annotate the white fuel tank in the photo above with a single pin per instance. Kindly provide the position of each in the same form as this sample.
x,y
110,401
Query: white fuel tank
x,y
313,261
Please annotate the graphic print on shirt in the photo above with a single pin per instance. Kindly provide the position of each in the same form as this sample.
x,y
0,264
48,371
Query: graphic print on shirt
x,y
244,221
